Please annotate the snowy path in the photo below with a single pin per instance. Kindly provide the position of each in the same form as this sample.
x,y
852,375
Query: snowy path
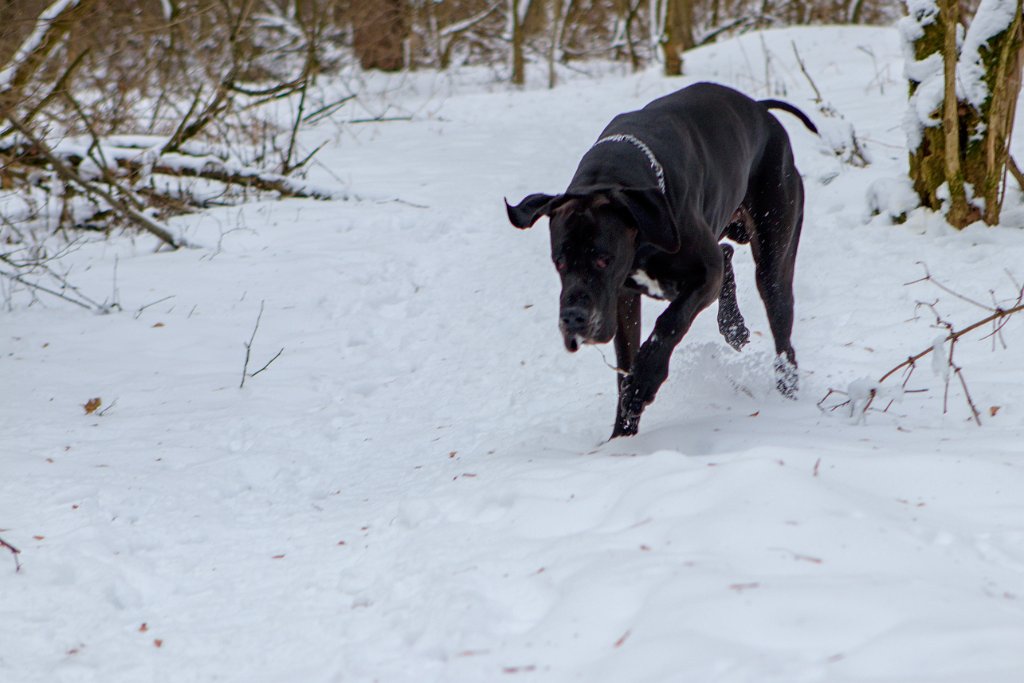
x,y
418,488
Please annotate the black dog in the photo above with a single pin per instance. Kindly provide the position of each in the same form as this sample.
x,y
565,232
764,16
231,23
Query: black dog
x,y
643,215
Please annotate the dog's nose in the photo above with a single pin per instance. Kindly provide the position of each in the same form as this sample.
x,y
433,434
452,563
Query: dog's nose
x,y
574,319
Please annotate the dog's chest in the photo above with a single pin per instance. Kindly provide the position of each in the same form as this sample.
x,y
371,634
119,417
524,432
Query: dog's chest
x,y
642,282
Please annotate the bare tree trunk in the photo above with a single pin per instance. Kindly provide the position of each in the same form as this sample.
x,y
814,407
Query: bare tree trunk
x,y
380,29
560,13
516,15
678,34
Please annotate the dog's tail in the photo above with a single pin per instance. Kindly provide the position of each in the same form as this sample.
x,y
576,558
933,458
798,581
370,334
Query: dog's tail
x,y
786,106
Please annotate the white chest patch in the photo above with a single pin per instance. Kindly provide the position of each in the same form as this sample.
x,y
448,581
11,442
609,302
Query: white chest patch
x,y
647,283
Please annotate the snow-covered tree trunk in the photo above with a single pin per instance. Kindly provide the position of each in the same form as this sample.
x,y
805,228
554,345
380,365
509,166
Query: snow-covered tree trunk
x,y
963,94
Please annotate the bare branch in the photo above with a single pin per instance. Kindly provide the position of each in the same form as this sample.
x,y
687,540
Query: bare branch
x,y
803,69
998,318
50,28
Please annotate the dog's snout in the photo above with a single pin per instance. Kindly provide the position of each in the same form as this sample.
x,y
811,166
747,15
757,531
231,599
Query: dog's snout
x,y
579,298
575,319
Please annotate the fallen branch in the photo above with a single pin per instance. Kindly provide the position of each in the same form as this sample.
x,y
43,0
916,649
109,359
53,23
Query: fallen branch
x,y
213,168
140,162
69,175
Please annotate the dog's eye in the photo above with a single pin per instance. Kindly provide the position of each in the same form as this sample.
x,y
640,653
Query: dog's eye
x,y
561,264
601,262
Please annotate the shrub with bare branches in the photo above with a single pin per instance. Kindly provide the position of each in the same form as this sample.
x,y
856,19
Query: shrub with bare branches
x,y
860,397
118,114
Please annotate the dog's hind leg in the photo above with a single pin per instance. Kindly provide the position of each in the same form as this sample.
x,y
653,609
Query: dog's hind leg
x,y
777,210
774,247
730,320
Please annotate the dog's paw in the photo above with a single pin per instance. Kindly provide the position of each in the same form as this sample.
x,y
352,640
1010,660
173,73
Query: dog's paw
x,y
626,427
635,395
787,381
736,335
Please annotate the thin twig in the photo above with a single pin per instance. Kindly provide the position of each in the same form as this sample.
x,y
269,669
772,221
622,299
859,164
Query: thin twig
x,y
803,68
138,313
14,553
21,280
276,355
381,119
326,110
248,345
928,278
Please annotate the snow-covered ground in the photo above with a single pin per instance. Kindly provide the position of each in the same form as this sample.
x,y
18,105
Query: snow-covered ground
x,y
418,489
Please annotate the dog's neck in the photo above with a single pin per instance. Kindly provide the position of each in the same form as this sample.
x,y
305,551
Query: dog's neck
x,y
659,172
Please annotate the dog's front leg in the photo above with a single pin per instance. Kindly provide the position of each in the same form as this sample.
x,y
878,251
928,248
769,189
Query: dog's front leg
x,y
627,342
650,369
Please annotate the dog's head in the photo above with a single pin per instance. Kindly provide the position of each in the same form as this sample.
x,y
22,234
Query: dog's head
x,y
594,238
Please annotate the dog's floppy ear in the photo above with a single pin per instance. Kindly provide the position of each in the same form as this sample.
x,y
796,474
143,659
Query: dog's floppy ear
x,y
524,214
654,220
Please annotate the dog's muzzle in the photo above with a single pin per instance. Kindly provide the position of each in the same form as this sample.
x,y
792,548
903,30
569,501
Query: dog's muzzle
x,y
579,326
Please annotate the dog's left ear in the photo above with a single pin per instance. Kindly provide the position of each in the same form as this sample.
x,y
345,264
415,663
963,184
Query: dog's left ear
x,y
654,220
524,214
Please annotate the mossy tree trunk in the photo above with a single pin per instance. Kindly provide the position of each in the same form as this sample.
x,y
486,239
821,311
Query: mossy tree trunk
x,y
990,125
959,161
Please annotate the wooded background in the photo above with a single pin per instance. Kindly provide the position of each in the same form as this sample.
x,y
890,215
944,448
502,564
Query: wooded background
x,y
104,104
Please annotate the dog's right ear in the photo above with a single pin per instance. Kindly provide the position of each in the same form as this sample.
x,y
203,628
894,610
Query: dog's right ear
x,y
524,214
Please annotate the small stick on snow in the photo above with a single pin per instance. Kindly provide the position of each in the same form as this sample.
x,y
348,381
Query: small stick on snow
x,y
154,303
248,350
248,345
14,553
